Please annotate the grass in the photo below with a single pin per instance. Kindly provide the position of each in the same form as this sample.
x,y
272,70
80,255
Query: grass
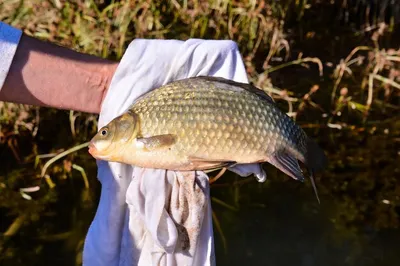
x,y
358,94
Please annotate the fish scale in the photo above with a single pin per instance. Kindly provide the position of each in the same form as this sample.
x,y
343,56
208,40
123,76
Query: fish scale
x,y
246,120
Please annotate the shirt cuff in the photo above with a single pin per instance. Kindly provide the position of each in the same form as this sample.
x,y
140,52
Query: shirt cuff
x,y
9,39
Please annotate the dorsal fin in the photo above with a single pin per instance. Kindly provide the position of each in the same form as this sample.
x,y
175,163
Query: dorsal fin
x,y
245,86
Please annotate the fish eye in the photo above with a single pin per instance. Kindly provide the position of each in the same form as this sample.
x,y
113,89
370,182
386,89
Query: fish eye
x,y
104,132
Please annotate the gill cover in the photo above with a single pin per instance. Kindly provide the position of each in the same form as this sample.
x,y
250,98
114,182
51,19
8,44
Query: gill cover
x,y
120,130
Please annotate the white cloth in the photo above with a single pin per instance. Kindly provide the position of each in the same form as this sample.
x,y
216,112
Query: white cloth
x,y
157,217
9,39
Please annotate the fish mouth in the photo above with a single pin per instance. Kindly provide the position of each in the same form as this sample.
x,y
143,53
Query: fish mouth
x,y
92,149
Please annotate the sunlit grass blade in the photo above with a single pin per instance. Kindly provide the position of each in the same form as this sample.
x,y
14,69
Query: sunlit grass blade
x,y
220,231
83,173
224,204
62,154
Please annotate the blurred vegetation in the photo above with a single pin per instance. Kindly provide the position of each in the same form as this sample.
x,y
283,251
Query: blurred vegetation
x,y
334,66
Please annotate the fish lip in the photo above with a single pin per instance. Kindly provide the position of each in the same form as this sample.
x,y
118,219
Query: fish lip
x,y
92,149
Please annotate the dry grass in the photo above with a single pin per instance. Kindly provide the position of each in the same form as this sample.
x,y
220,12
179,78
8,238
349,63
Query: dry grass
x,y
379,73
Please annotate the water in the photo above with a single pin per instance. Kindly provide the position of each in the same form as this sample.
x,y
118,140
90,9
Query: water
x,y
357,223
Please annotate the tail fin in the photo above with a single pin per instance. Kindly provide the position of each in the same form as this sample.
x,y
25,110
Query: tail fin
x,y
313,184
315,160
315,157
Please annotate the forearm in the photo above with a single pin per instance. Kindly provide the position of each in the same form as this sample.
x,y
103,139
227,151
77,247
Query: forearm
x,y
45,74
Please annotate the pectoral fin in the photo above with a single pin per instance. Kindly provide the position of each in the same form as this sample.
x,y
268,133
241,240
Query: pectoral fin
x,y
207,164
158,142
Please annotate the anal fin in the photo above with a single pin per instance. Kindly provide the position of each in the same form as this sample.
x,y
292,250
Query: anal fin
x,y
290,166
287,164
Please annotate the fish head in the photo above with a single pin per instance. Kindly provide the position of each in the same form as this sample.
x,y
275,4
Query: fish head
x,y
109,142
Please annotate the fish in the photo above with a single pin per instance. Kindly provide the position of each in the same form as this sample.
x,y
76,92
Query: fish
x,y
203,123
